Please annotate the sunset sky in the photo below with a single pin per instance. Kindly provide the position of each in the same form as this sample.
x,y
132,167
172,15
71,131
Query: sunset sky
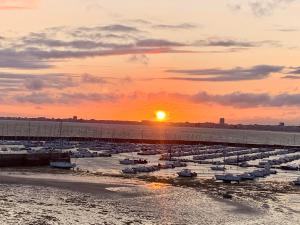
x,y
198,60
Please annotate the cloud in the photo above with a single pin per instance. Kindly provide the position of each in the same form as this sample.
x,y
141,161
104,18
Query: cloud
x,y
216,42
35,98
294,70
40,50
259,7
248,100
120,28
229,43
36,82
9,58
235,74
18,4
158,43
89,78
143,59
235,99
291,77
182,26
41,98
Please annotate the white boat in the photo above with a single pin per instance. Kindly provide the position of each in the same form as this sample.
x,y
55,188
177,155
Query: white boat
x,y
297,182
62,165
186,173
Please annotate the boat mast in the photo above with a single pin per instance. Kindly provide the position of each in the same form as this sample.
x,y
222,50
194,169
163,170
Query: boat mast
x,y
60,135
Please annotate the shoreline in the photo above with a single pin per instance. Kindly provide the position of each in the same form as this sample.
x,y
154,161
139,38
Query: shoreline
x,y
90,182
118,199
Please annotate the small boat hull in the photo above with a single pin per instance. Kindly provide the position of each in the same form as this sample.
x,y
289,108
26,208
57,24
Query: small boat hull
x,y
62,165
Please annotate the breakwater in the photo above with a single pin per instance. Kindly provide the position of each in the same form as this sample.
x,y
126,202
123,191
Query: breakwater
x,y
34,159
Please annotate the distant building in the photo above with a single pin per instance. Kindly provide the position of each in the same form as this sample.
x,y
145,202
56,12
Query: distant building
x,y
75,118
222,121
281,124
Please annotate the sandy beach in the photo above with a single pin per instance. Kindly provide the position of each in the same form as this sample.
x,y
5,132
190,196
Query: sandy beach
x,y
31,197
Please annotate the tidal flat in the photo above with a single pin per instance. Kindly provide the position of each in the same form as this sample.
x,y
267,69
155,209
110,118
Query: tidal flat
x,y
43,196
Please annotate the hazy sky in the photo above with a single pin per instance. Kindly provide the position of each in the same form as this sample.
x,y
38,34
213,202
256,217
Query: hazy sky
x,y
124,59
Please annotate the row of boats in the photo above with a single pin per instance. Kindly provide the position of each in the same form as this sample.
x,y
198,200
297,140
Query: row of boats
x,y
152,168
257,173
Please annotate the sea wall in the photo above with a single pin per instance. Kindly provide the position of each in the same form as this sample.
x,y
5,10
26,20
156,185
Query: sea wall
x,y
37,159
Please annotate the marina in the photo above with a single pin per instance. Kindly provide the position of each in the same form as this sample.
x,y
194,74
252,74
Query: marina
x,y
90,173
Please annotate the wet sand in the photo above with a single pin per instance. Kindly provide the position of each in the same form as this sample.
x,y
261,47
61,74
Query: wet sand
x,y
42,196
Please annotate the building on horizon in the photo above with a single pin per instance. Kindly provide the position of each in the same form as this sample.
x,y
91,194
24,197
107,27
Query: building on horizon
x,y
222,121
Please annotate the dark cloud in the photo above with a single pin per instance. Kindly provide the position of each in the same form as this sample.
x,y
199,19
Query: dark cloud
x,y
235,99
9,58
236,74
245,100
120,28
36,82
89,78
40,98
77,44
225,43
39,50
158,43
287,29
65,54
294,70
143,59
232,43
34,98
183,26
291,77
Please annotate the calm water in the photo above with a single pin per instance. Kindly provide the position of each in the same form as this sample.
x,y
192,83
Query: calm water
x,y
35,128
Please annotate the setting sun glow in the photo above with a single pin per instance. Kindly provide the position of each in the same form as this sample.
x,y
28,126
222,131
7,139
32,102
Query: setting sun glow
x,y
161,115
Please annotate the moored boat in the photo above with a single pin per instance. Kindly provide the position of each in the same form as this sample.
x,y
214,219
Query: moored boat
x,y
186,173
228,178
297,182
62,165
218,168
129,171
127,161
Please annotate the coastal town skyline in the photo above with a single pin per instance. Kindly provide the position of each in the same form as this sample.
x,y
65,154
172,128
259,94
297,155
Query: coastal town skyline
x,y
114,60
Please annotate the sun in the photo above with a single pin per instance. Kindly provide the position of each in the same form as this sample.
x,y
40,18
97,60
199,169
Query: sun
x,y
161,115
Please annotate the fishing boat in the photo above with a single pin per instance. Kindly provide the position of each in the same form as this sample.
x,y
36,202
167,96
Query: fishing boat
x,y
186,173
62,165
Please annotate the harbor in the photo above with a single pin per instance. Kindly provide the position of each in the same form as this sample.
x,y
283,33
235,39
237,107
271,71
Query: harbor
x,y
101,173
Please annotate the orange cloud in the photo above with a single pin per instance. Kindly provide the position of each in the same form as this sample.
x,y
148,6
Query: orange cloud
x,y
17,4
